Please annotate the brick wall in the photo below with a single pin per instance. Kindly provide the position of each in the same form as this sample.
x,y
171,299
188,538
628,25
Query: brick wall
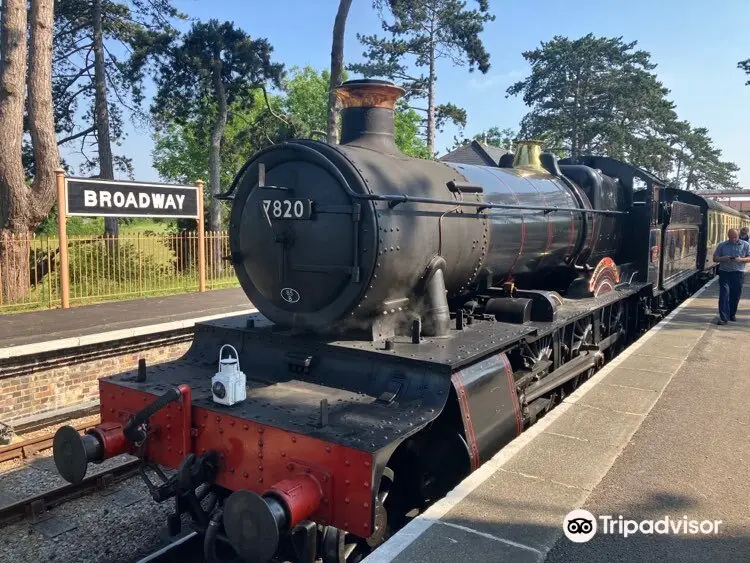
x,y
40,383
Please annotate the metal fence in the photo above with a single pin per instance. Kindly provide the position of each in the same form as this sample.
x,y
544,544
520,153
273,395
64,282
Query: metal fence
x,y
102,268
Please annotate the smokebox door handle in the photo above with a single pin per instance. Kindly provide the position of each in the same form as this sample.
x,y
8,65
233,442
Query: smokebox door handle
x,y
464,187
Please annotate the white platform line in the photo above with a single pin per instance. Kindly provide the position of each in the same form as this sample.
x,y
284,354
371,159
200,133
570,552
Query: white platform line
x,y
406,536
75,341
491,537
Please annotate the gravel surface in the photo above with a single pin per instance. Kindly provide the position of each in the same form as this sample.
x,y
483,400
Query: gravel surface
x,y
118,525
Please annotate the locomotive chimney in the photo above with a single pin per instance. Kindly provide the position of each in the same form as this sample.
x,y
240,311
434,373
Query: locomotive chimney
x,y
367,114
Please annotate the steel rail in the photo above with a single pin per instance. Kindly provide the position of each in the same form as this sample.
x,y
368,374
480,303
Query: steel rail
x,y
34,506
27,448
169,551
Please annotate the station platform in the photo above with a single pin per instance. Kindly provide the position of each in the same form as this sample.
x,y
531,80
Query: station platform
x,y
662,431
57,329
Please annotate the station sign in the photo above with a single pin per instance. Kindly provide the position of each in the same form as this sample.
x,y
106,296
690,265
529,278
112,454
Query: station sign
x,y
110,198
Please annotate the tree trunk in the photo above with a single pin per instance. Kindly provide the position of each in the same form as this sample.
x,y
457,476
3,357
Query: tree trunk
x,y
431,97
214,170
13,190
337,69
214,154
41,112
101,112
22,207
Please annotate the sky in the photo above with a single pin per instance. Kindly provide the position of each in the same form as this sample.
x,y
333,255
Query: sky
x,y
696,45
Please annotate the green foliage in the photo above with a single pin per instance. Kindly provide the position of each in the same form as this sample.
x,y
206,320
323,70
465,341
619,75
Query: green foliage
x,y
139,28
306,100
745,65
598,96
426,31
494,136
698,164
594,92
407,133
215,67
215,63
181,151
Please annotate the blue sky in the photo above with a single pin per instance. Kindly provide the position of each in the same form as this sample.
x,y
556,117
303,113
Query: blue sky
x,y
695,43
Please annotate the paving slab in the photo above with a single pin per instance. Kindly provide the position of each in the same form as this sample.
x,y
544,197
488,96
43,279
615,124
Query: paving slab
x,y
444,543
612,428
658,364
638,379
619,398
563,459
513,499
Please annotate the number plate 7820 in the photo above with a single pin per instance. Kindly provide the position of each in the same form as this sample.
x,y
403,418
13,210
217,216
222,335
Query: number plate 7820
x,y
280,209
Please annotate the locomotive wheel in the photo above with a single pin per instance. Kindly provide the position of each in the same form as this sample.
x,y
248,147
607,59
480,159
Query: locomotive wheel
x,y
535,352
582,334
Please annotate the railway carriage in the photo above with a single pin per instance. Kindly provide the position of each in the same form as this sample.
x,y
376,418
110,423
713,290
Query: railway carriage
x,y
414,317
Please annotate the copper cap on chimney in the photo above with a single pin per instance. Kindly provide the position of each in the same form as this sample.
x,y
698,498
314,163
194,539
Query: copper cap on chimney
x,y
368,93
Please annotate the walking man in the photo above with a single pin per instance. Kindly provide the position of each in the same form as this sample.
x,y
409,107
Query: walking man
x,y
731,255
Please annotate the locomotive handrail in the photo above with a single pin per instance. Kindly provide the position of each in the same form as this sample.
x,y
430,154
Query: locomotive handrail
x,y
396,199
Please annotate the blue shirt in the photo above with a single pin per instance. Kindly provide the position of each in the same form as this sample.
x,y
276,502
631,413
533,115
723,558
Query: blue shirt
x,y
740,249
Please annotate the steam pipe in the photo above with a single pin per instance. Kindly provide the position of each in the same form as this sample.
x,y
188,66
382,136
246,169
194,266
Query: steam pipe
x,y
437,318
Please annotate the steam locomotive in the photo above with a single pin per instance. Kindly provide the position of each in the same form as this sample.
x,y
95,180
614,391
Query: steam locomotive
x,y
413,318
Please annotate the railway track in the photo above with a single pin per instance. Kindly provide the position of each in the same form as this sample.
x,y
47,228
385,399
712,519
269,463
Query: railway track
x,y
185,549
27,448
34,507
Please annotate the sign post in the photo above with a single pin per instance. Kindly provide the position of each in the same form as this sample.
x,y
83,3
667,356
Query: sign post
x,y
90,197
62,219
201,240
